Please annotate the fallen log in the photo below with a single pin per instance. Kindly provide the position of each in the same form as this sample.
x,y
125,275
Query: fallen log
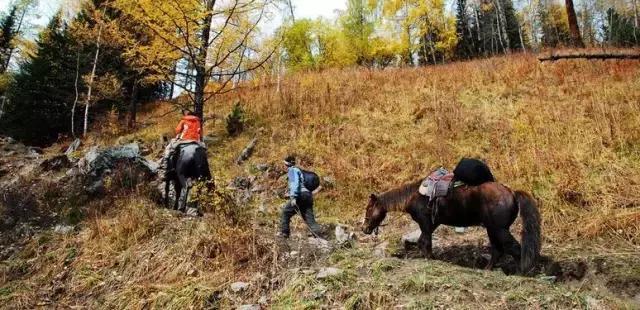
x,y
247,152
598,56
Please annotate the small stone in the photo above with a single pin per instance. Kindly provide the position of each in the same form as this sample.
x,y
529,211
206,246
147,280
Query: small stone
x,y
238,287
249,307
342,236
192,273
593,303
460,230
329,182
550,279
294,254
308,271
262,167
263,300
63,229
327,272
412,237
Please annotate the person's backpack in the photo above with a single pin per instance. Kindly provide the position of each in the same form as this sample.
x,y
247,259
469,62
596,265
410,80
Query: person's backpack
x,y
311,180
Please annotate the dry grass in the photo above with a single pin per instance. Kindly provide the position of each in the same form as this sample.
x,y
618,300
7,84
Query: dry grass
x,y
567,131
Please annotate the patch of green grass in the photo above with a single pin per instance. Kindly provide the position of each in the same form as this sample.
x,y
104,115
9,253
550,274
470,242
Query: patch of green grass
x,y
384,265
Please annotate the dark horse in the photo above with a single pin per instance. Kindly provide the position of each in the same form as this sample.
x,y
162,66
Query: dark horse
x,y
189,164
491,205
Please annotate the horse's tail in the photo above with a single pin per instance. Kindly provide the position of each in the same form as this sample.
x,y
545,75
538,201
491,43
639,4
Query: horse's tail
x,y
202,164
531,238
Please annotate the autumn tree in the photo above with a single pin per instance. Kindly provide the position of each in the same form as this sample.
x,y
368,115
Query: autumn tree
x,y
358,27
216,39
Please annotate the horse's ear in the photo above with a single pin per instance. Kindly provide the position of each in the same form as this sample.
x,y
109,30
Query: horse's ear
x,y
373,197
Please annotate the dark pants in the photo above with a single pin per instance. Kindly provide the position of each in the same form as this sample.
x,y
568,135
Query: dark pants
x,y
305,207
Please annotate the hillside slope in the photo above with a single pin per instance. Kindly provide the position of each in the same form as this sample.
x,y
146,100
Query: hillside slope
x,y
569,132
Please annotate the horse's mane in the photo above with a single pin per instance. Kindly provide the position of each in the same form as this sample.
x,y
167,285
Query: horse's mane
x,y
397,198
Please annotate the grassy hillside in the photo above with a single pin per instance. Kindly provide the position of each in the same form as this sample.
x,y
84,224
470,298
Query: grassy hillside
x,y
569,132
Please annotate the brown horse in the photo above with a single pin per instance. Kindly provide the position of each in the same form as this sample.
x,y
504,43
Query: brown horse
x,y
491,205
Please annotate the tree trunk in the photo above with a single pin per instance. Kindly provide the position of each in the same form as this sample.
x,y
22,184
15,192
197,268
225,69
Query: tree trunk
x,y
90,87
293,17
502,28
408,30
75,101
173,80
524,50
576,39
133,104
201,63
2,106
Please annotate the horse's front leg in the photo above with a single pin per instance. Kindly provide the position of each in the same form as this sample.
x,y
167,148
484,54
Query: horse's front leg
x,y
425,244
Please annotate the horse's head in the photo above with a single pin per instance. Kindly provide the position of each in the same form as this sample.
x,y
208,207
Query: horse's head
x,y
374,216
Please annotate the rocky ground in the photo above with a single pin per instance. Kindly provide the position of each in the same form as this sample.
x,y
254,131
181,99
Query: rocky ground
x,y
42,189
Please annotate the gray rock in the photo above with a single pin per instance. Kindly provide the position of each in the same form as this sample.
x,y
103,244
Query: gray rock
x,y
192,212
593,303
263,167
321,244
412,237
96,162
327,272
249,307
342,235
96,187
63,229
328,182
238,287
263,300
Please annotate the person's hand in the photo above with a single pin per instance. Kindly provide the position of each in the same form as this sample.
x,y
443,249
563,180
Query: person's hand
x,y
293,202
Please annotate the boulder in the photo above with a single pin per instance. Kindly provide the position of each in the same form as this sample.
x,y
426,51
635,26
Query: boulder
x,y
96,162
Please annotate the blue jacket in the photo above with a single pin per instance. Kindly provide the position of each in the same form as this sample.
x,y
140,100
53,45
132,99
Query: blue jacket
x,y
296,182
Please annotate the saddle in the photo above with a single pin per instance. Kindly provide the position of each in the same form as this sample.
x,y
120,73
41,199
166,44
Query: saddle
x,y
437,184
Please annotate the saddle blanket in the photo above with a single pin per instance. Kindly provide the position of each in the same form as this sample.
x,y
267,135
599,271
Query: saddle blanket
x,y
436,184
